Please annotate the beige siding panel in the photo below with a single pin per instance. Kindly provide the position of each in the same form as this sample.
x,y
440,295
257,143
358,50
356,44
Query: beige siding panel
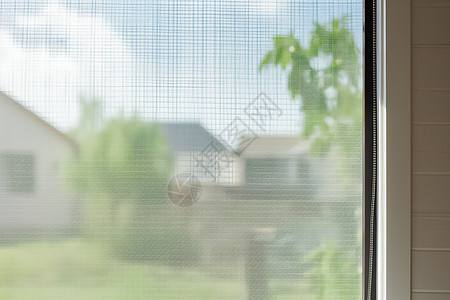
x,y
430,2
431,106
431,232
430,270
430,67
430,25
430,194
430,83
430,162
430,296
431,138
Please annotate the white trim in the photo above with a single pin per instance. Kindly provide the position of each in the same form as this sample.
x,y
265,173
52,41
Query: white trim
x,y
394,235
381,192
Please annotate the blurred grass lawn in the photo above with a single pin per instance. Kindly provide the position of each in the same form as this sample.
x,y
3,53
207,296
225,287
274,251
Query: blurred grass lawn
x,y
76,269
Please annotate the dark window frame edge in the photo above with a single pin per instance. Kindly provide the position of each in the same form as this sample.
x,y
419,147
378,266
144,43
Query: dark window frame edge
x,y
370,171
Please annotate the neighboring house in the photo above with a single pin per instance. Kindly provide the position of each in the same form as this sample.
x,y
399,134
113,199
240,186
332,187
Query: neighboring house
x,y
32,195
227,213
196,151
276,160
268,160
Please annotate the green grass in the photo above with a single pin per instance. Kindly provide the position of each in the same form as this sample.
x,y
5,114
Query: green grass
x,y
77,269
82,269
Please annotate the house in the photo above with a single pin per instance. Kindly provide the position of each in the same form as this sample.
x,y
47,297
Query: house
x,y
226,213
268,160
275,160
32,195
194,148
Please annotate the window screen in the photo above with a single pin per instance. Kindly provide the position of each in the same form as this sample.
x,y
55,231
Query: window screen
x,y
205,149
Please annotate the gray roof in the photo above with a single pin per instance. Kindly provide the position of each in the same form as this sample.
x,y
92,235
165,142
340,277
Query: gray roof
x,y
276,145
188,137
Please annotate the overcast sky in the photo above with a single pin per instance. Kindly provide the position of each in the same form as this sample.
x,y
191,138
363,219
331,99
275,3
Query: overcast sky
x,y
168,60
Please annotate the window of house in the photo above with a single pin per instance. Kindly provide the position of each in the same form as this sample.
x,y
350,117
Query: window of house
x,y
267,171
275,170
208,149
17,172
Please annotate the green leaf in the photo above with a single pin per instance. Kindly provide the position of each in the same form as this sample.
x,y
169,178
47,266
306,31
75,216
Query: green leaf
x,y
343,73
268,58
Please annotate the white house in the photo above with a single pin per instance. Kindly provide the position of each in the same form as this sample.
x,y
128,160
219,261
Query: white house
x,y
32,194
196,151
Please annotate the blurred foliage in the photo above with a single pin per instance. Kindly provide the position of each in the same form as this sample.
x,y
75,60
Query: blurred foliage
x,y
326,76
123,164
90,117
333,273
164,246
124,160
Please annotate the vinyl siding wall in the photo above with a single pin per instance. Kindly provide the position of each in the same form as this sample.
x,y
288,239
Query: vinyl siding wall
x,y
430,90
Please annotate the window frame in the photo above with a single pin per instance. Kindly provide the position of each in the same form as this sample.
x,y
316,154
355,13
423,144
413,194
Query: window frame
x,y
7,157
394,150
387,157
370,152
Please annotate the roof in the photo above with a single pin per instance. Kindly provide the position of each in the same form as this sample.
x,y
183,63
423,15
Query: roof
x,y
56,131
272,146
194,137
188,137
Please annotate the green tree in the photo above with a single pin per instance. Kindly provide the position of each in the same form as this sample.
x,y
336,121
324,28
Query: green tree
x,y
325,75
123,163
123,160
334,268
90,117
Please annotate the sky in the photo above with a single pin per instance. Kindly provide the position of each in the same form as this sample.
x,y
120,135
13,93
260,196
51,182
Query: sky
x,y
167,60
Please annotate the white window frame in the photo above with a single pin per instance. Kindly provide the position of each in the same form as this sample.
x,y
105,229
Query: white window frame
x,y
394,218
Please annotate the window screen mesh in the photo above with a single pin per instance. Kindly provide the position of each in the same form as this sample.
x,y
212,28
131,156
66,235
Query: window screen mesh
x,y
181,149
